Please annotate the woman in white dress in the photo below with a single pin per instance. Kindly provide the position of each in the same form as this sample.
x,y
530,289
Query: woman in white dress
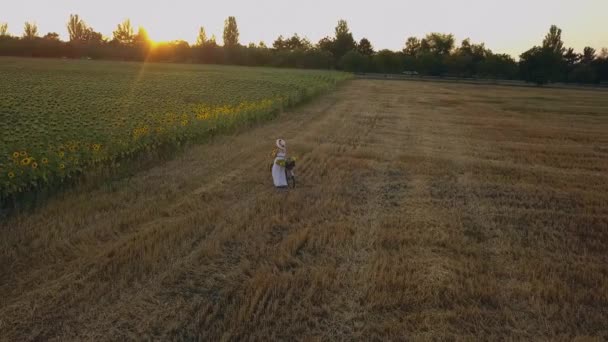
x,y
279,176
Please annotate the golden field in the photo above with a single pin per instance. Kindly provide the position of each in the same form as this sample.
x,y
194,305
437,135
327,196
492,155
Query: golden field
x,y
423,211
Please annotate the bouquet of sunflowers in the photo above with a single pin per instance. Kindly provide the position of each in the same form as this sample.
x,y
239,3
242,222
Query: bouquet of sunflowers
x,y
288,163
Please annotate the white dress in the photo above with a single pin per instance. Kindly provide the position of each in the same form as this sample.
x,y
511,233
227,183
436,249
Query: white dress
x,y
278,172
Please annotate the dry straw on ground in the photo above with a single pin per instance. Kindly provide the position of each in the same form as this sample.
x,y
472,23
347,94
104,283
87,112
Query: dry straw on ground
x,y
425,211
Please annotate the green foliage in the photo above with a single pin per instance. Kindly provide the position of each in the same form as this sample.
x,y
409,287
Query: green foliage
x,y
583,73
551,62
93,37
343,40
412,47
553,41
79,32
3,29
500,66
540,65
77,28
30,31
292,43
438,44
201,39
124,33
341,43
588,55
431,64
571,58
386,61
354,61
51,36
365,47
325,44
231,32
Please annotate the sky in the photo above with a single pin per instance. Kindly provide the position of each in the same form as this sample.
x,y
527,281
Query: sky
x,y
506,26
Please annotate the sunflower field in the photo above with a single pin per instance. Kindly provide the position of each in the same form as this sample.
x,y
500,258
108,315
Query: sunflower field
x,y
61,118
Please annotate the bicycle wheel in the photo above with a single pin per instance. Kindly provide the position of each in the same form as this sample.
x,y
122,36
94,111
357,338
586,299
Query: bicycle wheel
x,y
291,179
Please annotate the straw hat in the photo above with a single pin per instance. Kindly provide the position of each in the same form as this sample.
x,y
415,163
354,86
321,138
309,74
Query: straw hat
x,y
281,144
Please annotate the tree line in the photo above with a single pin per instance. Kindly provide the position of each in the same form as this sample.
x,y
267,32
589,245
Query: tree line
x,y
436,54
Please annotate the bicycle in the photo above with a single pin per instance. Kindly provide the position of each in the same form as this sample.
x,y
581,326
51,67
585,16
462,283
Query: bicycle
x,y
290,164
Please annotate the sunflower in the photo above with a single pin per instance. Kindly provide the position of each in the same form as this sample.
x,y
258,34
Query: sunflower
x,y
96,147
15,155
23,154
62,166
45,161
34,165
26,161
61,154
11,175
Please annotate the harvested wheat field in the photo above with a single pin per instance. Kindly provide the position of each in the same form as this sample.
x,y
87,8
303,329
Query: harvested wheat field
x,y
423,211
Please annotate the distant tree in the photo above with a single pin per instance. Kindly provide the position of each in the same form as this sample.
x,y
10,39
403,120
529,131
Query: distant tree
x,y
279,43
142,37
343,41
80,32
262,45
459,64
365,47
588,55
546,63
438,43
124,33
465,47
412,47
584,69
583,73
93,37
540,65
77,28
30,30
600,65
480,52
466,59
571,58
326,44
354,61
181,49
212,41
570,61
431,64
553,41
292,43
425,47
202,37
387,61
231,32
297,43
500,66
3,29
51,36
